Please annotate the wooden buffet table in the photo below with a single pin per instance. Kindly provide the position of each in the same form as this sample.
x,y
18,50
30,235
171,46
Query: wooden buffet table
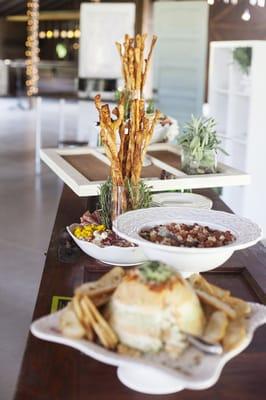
x,y
55,372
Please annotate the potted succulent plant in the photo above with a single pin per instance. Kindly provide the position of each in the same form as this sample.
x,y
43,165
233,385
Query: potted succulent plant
x,y
199,145
242,56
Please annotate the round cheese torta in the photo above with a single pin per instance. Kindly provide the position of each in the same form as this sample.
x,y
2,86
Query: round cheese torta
x,y
152,309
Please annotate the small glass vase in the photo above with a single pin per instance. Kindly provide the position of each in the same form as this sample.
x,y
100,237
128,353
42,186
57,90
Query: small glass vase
x,y
191,165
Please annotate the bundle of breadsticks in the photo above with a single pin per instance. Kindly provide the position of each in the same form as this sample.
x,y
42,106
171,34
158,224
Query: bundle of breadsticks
x,y
134,64
136,131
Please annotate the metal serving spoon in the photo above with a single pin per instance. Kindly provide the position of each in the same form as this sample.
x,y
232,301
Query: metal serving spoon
x,y
202,345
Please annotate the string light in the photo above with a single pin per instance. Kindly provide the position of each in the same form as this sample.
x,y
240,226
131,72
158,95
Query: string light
x,y
49,34
63,34
70,34
77,33
56,33
32,48
75,46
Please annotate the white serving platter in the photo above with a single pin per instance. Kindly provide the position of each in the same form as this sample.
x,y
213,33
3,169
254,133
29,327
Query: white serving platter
x,y
193,370
82,186
173,199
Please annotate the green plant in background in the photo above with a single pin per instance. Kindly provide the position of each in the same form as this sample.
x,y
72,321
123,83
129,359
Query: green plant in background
x,y
127,94
140,197
200,145
150,106
243,55
61,50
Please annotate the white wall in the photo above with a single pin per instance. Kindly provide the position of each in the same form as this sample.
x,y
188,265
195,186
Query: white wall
x,y
101,26
180,57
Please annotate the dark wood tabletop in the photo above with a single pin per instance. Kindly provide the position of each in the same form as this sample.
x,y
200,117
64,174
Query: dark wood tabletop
x,y
54,372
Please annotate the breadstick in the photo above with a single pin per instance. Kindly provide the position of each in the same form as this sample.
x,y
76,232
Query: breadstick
x,y
131,67
150,133
148,61
125,62
137,164
138,63
120,117
122,146
119,48
97,102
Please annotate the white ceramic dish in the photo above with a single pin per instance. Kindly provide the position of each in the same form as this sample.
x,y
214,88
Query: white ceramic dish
x,y
193,370
187,260
182,200
113,255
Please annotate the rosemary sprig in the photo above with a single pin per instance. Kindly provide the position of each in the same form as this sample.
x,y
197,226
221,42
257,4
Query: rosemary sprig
x,y
105,203
138,197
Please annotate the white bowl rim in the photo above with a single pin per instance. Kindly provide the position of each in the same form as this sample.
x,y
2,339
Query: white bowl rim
x,y
190,250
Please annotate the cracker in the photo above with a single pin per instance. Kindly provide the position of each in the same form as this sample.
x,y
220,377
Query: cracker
x,y
216,303
241,307
106,284
216,327
70,325
235,334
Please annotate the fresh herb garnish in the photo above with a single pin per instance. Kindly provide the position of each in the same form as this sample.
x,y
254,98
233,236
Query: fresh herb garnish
x,y
154,271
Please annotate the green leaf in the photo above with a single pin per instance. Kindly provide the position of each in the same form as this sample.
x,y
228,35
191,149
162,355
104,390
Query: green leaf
x,y
223,151
195,142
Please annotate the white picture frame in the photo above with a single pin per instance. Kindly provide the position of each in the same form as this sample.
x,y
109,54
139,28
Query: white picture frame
x,y
83,187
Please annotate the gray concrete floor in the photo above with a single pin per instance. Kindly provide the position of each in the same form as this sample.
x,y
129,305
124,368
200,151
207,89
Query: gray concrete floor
x,y
28,203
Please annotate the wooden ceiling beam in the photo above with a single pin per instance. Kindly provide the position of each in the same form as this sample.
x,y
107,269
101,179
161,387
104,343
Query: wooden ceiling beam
x,y
11,6
70,15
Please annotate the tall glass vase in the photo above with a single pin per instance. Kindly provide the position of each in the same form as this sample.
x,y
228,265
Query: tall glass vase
x,y
119,202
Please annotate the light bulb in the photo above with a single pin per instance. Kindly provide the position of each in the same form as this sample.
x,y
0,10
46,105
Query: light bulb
x,y
70,34
77,33
56,33
49,34
63,34
246,15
